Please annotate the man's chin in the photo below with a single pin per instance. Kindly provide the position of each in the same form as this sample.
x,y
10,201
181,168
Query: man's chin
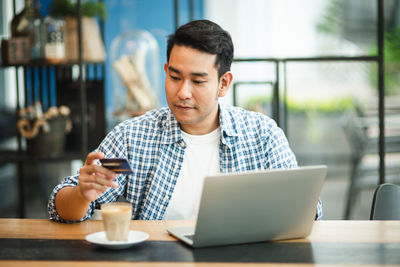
x,y
183,114
185,121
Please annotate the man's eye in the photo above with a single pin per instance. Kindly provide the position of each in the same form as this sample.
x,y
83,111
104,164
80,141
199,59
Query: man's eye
x,y
198,82
174,78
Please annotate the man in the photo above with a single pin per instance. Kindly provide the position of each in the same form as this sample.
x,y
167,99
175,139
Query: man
x,y
172,149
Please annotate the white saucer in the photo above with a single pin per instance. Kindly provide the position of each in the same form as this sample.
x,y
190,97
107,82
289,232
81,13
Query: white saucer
x,y
134,237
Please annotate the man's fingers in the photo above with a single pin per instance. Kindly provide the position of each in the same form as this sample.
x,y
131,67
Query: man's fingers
x,y
98,187
95,179
91,169
98,178
86,187
103,181
92,190
93,156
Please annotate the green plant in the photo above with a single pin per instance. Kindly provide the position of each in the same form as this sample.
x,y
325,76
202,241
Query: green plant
x,y
392,49
331,21
62,8
330,106
392,63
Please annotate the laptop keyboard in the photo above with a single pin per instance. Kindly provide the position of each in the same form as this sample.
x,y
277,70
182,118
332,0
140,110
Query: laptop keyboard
x,y
190,237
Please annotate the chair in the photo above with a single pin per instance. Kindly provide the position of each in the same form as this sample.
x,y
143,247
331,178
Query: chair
x,y
386,202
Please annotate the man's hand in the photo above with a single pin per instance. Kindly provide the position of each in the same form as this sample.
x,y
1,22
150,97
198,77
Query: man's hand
x,y
72,202
95,179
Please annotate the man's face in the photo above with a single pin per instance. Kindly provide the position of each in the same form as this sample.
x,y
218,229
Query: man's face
x,y
192,89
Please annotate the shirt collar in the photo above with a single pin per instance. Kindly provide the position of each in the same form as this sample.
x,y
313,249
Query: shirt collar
x,y
226,121
172,133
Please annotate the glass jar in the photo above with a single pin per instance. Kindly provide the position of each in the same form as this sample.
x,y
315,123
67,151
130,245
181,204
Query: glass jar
x,y
135,74
29,23
54,48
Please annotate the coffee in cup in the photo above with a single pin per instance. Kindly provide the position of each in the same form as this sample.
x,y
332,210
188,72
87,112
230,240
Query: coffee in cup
x,y
116,219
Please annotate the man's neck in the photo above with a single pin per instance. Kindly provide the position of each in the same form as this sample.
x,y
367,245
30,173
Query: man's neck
x,y
199,130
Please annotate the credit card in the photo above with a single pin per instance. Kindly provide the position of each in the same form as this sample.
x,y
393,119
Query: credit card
x,y
117,165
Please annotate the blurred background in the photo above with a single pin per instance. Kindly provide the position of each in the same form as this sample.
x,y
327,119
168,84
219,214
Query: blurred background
x,y
312,65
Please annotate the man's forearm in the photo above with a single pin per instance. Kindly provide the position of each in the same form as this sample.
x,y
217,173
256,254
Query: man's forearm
x,y
70,204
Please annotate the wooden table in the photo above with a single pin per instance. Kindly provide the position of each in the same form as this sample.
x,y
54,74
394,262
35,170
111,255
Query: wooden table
x,y
34,242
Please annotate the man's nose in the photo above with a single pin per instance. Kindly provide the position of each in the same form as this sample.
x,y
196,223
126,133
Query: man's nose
x,y
184,90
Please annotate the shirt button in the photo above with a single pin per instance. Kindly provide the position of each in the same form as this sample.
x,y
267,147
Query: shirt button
x,y
176,167
166,198
182,144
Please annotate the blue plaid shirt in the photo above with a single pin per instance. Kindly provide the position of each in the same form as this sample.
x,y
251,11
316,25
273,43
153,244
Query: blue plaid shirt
x,y
154,147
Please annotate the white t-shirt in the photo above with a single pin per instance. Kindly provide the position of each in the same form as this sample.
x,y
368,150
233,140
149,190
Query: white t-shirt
x,y
201,159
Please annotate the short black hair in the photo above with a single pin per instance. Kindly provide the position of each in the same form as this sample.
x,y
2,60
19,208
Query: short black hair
x,y
205,36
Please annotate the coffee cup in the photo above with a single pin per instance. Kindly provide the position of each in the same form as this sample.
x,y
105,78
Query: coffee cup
x,y
116,220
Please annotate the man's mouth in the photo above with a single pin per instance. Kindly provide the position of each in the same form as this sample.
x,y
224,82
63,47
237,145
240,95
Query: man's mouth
x,y
184,107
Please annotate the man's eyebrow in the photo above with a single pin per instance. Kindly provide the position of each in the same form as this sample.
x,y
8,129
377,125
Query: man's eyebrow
x,y
173,70
199,74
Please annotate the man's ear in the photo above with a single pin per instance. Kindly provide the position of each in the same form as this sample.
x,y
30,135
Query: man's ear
x,y
224,83
166,68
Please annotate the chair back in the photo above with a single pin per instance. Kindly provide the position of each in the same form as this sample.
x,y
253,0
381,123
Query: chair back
x,y
386,202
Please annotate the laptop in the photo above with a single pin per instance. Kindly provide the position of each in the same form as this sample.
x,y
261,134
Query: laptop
x,y
255,206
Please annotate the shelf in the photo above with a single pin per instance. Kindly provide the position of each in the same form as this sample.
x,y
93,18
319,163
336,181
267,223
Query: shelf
x,y
11,156
44,63
55,84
